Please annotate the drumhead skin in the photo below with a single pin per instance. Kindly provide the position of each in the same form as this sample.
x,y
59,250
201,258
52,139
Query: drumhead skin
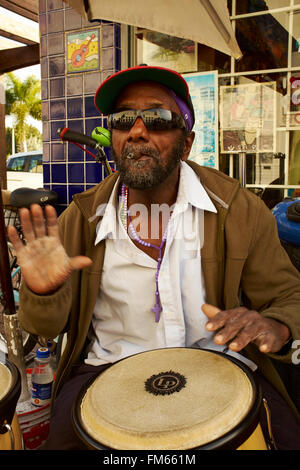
x,y
5,380
10,390
175,398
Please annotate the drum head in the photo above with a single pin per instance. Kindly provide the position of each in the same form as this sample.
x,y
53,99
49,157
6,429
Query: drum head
x,y
10,390
173,398
5,380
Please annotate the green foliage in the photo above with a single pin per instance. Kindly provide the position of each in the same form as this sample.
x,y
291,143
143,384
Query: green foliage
x,y
34,140
23,99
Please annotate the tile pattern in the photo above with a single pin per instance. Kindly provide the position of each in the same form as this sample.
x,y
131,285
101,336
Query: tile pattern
x,y
68,99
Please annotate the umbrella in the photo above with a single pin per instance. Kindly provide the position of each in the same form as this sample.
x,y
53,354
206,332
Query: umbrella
x,y
203,21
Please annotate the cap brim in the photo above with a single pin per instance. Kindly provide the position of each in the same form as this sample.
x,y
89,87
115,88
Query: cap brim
x,y
110,89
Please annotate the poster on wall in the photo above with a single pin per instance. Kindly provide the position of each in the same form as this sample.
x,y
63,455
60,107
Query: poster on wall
x,y
83,51
293,110
203,90
247,117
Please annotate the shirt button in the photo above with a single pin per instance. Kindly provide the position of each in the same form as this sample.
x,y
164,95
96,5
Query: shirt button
x,y
190,236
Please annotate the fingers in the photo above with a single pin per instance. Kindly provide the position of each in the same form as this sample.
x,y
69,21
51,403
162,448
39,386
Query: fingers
x,y
80,262
267,343
37,223
210,310
26,224
51,220
44,262
239,327
14,237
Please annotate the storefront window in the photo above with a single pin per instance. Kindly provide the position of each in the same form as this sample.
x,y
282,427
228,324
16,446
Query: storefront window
x,y
263,41
179,54
251,6
258,95
280,87
248,111
159,49
210,59
296,40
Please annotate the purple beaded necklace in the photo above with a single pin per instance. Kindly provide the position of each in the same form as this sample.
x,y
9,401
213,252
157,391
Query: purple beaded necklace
x,y
157,309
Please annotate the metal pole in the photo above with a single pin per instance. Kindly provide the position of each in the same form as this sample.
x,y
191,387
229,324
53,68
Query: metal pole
x,y
242,169
13,331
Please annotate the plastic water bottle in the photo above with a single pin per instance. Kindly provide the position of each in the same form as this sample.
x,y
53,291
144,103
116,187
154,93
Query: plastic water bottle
x,y
42,378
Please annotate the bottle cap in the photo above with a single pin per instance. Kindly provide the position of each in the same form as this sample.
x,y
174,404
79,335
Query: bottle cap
x,y
43,353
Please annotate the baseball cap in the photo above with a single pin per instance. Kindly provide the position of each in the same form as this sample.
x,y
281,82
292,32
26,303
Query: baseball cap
x,y
110,89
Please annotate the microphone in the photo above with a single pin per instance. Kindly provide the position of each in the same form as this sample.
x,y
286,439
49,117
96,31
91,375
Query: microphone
x,y
102,136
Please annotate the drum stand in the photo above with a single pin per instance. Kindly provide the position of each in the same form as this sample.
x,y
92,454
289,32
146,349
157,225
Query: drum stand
x,y
242,165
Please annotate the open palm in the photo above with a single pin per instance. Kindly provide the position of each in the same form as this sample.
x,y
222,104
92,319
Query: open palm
x,y
44,262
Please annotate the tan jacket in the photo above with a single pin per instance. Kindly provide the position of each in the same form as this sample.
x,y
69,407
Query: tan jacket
x,y
241,250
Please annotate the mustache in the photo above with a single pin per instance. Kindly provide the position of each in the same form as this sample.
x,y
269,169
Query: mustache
x,y
133,152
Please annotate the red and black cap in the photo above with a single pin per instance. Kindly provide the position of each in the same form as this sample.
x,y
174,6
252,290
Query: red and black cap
x,y
110,89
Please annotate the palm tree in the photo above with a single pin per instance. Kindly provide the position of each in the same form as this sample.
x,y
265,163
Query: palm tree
x,y
23,99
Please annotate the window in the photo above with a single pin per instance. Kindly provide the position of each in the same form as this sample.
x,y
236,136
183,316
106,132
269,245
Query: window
x,y
16,164
35,164
159,49
268,33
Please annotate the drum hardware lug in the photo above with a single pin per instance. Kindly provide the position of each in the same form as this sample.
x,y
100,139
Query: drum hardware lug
x,y
270,438
7,428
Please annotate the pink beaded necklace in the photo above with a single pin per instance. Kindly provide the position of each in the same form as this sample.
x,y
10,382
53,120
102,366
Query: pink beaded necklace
x,y
157,309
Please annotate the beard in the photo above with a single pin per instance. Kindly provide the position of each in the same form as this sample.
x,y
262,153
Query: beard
x,y
148,173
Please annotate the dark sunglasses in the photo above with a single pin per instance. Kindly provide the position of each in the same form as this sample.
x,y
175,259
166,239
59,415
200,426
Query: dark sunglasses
x,y
156,119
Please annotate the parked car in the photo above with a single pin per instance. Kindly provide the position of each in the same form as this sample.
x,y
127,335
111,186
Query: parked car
x,y
25,170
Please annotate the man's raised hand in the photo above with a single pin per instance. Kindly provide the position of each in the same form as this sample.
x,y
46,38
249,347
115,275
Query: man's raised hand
x,y
44,263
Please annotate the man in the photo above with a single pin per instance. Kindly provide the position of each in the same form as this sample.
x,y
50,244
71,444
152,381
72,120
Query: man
x,y
133,278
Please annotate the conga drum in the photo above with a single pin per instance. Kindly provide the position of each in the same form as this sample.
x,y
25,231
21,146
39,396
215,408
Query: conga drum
x,y
171,399
10,390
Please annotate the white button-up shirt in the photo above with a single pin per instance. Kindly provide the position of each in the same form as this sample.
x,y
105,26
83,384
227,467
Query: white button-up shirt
x,y
123,321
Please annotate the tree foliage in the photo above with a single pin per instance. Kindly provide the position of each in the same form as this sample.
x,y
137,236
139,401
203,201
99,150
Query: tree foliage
x,y
23,99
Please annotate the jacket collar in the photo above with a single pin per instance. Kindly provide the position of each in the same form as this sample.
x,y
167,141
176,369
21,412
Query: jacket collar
x,y
220,188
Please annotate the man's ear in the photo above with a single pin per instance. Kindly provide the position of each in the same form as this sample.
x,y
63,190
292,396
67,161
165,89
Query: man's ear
x,y
188,142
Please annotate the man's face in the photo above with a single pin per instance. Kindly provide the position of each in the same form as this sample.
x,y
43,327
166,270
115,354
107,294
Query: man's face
x,y
153,155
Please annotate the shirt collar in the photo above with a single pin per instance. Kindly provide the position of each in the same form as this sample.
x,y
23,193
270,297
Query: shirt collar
x,y
191,191
107,226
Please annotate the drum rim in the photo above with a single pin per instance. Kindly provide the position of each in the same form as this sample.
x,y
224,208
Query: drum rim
x,y
229,441
9,402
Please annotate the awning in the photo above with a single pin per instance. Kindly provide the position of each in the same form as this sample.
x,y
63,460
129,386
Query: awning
x,y
19,37
203,21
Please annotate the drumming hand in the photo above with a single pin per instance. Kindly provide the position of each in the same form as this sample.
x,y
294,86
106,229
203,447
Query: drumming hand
x,y
245,326
44,263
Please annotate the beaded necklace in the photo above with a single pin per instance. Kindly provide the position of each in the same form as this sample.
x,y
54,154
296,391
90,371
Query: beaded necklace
x,y
123,203
157,309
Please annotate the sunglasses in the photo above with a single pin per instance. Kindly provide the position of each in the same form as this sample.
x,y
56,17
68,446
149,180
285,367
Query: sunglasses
x,y
156,119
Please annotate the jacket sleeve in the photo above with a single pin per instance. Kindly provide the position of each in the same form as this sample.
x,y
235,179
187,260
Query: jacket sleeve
x,y
45,315
269,279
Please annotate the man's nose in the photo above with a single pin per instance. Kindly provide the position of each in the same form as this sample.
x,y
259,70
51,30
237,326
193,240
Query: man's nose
x,y
138,131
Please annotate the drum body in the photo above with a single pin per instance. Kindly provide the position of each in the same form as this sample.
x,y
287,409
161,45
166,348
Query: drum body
x,y
171,399
10,390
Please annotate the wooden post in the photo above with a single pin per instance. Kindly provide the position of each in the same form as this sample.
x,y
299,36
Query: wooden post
x,y
3,179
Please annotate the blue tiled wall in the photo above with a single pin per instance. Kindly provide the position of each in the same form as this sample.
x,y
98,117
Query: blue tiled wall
x,y
68,99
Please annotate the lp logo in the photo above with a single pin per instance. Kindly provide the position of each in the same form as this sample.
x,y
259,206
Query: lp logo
x,y
165,382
